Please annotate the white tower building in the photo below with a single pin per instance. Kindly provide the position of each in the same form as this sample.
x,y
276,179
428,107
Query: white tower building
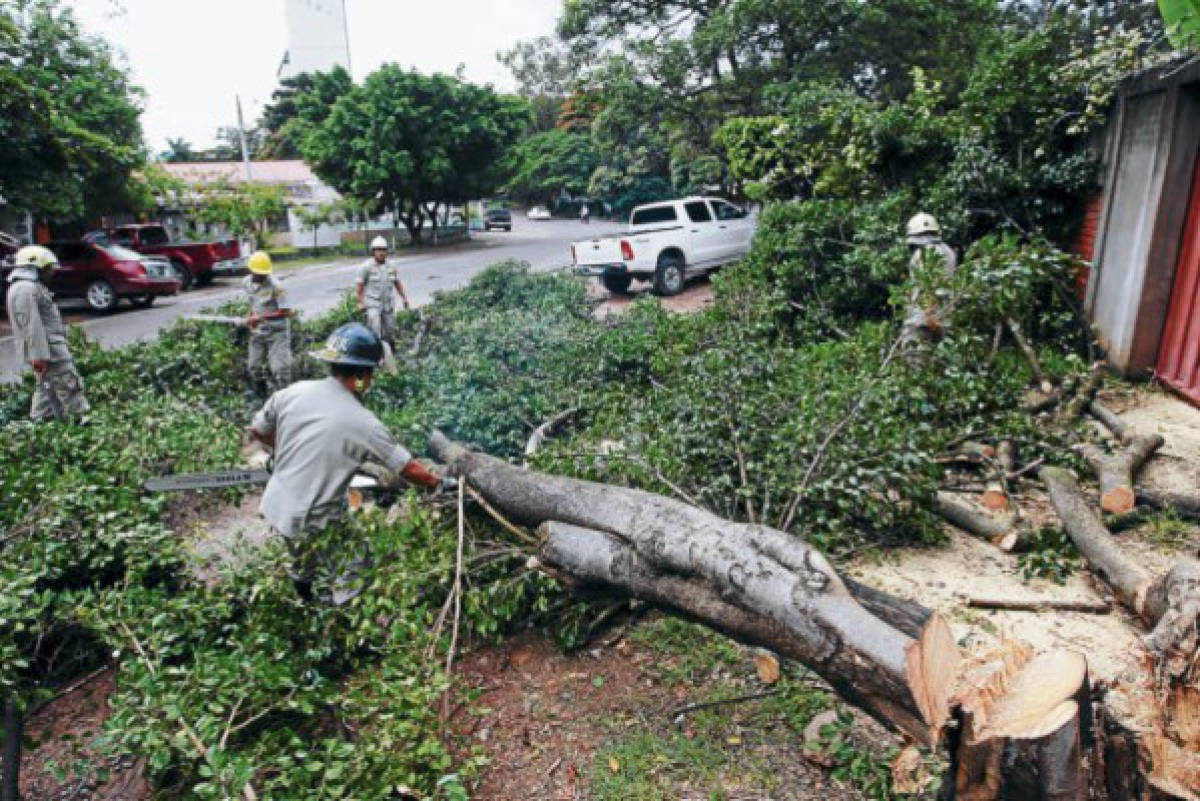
x,y
318,39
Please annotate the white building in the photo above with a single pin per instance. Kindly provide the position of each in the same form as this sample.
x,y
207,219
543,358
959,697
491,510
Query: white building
x,y
300,186
318,39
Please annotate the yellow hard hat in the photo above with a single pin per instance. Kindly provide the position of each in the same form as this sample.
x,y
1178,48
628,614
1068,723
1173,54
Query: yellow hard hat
x,y
260,263
35,256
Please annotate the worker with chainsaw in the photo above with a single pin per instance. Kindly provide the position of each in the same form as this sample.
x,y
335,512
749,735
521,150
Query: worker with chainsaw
x,y
41,337
269,359
376,280
322,434
923,322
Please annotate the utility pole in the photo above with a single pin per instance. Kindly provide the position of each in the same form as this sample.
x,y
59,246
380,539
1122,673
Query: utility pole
x,y
242,137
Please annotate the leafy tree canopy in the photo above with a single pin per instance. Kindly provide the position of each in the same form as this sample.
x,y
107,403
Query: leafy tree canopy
x,y
69,116
412,141
550,162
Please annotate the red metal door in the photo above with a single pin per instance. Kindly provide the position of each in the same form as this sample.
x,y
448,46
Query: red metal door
x,y
1179,353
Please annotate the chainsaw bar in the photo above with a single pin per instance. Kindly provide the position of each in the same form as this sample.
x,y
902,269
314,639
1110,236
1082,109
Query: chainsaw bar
x,y
195,481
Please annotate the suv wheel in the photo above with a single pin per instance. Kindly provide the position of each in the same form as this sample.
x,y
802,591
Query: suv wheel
x,y
101,296
668,276
183,274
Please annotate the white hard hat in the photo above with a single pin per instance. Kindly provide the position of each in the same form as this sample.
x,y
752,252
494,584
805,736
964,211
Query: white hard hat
x,y
35,256
379,243
921,228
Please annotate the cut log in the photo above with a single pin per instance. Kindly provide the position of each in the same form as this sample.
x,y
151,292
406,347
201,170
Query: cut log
x,y
1187,505
758,584
1116,472
1035,364
907,616
1039,605
1025,723
999,532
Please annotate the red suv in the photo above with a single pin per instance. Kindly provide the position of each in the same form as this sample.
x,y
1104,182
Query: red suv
x,y
102,275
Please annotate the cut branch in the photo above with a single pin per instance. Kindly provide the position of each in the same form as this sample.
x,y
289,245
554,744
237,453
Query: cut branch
x,y
1116,472
1039,605
545,431
1001,533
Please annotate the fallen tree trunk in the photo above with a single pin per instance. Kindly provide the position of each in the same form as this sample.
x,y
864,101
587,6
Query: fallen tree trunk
x,y
1166,500
759,584
1026,731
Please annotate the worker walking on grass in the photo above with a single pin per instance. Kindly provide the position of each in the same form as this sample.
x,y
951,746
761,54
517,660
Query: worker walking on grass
x,y
41,338
270,353
376,279
923,322
322,434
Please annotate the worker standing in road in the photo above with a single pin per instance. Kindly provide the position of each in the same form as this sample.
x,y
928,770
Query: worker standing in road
x,y
376,279
322,434
924,237
41,338
270,331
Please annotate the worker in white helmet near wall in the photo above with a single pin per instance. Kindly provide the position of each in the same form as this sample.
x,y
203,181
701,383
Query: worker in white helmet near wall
x,y
270,332
924,237
376,279
41,337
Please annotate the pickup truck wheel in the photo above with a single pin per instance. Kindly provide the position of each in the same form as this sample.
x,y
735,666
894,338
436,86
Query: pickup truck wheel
x,y
668,276
616,284
183,274
101,296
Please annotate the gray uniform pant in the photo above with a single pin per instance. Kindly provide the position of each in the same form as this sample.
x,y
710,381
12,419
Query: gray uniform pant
x,y
327,564
59,393
382,322
273,348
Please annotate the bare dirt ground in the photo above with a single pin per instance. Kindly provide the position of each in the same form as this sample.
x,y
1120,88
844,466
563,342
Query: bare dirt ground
x,y
695,296
603,723
67,764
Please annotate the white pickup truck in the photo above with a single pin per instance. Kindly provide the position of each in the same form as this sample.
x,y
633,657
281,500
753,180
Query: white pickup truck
x,y
667,243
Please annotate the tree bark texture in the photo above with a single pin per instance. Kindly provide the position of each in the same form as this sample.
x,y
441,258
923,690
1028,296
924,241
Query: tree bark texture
x,y
759,584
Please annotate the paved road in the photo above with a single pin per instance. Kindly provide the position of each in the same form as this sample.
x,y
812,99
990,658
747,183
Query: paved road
x,y
316,289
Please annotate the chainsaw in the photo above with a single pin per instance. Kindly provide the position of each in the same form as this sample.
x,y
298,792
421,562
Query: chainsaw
x,y
184,482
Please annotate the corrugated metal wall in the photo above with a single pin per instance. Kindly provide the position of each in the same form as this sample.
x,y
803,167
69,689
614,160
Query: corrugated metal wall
x,y
1179,356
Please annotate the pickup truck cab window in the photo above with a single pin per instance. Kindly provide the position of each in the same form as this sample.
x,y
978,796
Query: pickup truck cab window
x,y
123,238
654,214
697,211
152,237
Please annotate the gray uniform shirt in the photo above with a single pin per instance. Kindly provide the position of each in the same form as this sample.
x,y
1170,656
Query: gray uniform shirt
x,y
37,326
322,435
916,312
378,282
266,297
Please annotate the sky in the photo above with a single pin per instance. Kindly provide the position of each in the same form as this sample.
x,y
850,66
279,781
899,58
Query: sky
x,y
192,58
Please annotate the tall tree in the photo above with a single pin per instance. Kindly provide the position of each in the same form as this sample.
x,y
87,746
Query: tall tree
x,y
300,102
550,162
413,142
69,116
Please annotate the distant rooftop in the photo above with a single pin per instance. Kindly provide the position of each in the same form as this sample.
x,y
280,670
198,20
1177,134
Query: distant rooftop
x,y
292,171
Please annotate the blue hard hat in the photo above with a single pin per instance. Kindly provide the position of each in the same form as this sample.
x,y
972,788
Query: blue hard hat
x,y
351,344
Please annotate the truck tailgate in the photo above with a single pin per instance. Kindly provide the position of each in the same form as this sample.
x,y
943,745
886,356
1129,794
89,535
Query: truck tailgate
x,y
597,252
